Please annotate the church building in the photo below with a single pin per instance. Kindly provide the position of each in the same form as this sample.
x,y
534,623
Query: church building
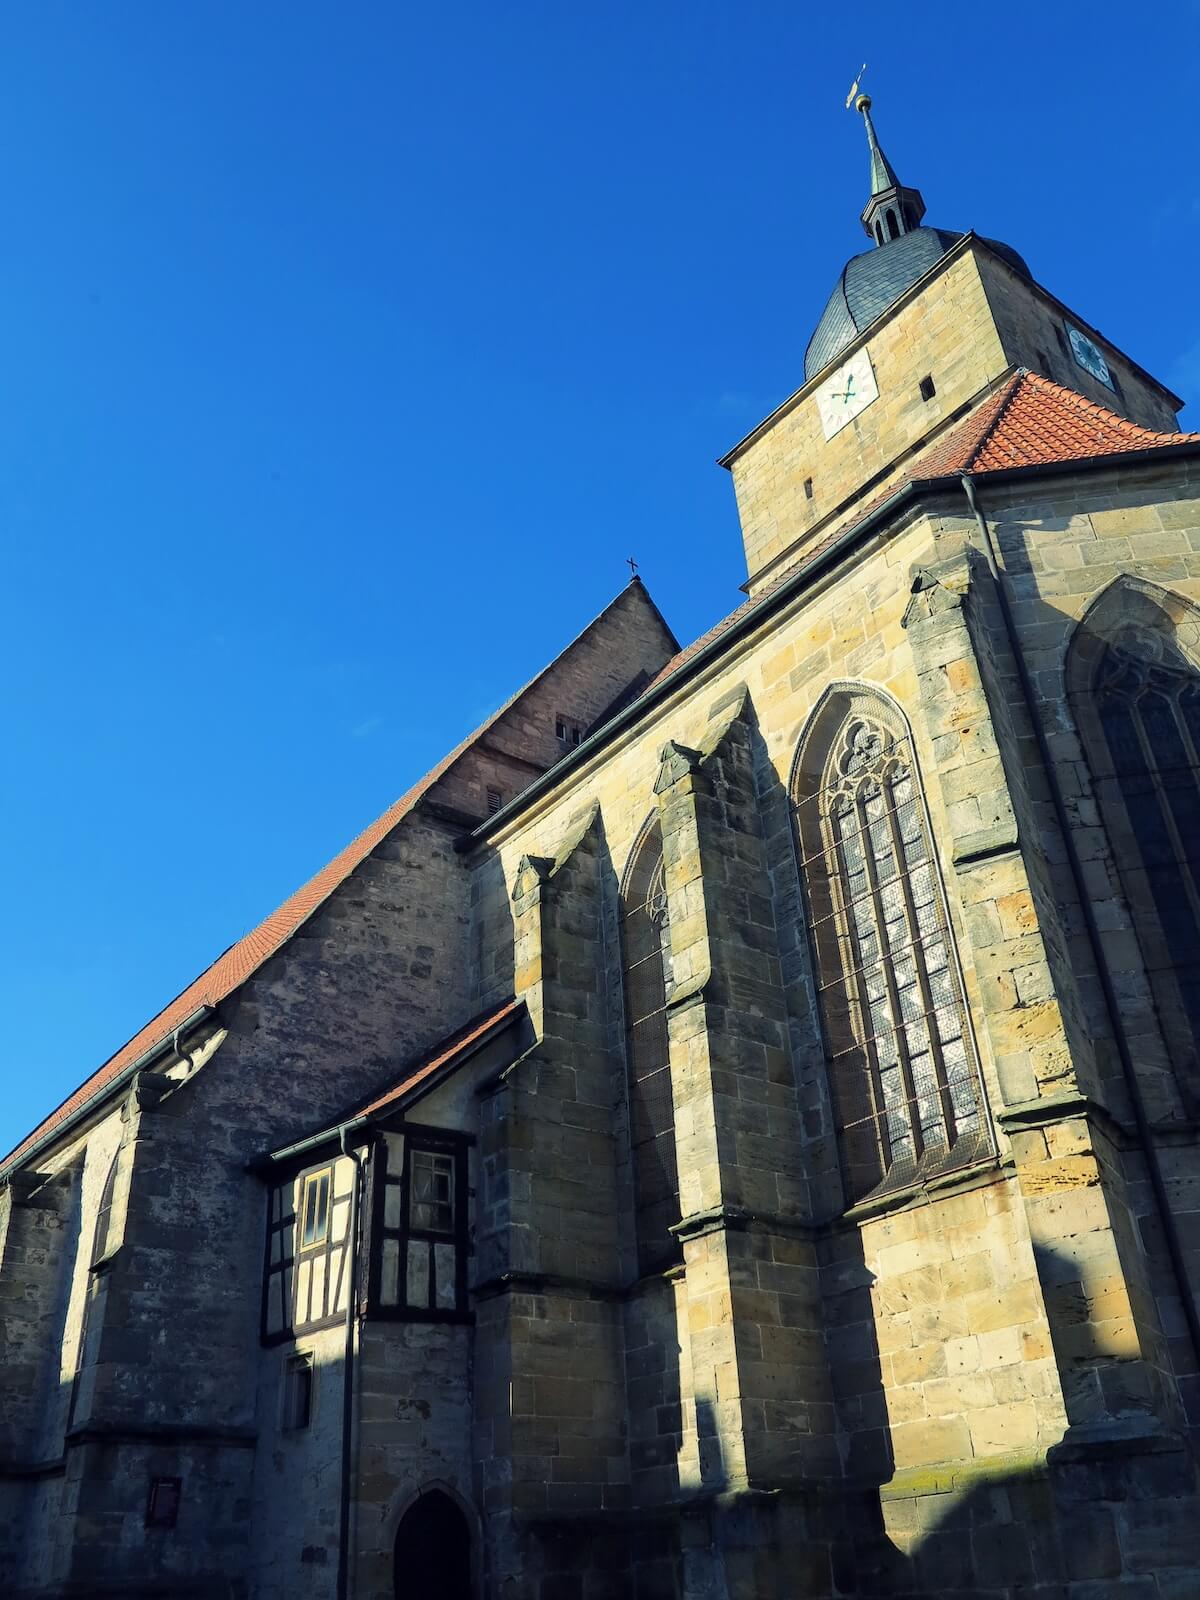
x,y
729,1132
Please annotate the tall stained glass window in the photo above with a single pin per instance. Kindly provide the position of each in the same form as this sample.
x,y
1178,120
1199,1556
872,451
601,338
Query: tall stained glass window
x,y
1140,718
646,954
903,1076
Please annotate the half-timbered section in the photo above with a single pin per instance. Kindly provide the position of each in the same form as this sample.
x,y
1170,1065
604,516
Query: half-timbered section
x,y
307,1275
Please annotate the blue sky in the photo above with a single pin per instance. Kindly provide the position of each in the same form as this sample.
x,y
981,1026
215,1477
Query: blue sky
x,y
347,353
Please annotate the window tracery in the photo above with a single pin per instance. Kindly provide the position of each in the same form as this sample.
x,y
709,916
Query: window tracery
x,y
1139,714
903,1076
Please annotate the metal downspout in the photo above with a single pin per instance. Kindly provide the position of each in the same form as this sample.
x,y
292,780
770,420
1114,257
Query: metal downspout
x,y
1111,1003
343,1567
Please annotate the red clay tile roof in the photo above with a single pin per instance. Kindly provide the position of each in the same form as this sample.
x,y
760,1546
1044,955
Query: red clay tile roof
x,y
1028,422
229,971
1041,424
243,959
441,1056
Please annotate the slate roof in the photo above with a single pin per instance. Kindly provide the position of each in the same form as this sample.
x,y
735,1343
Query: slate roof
x,y
869,283
1029,421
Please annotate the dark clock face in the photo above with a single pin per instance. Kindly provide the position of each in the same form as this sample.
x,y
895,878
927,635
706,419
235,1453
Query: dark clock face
x,y
1089,356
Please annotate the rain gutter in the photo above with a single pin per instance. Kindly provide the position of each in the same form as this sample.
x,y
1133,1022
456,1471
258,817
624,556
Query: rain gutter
x,y
164,1047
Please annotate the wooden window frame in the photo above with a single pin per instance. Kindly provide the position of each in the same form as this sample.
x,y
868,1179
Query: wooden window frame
x,y
312,1184
286,1226
419,1138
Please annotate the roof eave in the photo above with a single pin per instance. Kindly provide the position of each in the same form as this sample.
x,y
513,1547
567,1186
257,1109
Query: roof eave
x,y
780,597
959,247
93,1106
659,691
809,384
352,1127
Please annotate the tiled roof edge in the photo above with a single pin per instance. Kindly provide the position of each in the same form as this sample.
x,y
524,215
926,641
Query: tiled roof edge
x,y
113,1069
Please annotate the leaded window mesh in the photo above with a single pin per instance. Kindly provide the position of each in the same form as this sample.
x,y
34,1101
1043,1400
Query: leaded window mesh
x,y
646,955
100,1239
1147,700
904,1080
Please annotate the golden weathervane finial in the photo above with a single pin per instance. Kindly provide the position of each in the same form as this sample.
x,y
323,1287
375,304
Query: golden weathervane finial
x,y
854,95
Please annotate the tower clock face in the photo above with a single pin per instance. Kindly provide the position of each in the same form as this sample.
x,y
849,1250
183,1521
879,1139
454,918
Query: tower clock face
x,y
1088,355
849,391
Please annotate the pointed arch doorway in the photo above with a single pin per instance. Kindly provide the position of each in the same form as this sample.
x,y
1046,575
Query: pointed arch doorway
x,y
433,1550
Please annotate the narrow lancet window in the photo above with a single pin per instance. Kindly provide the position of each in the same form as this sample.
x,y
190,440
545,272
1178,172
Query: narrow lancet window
x,y
646,949
903,1077
102,1240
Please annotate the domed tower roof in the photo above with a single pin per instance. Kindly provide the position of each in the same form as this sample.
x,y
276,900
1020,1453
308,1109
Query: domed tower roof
x,y
904,252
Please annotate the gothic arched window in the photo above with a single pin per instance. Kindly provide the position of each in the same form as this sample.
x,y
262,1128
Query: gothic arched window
x,y
1136,695
646,955
100,1239
904,1082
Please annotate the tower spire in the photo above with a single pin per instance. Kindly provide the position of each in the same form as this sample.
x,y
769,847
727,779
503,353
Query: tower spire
x,y
892,209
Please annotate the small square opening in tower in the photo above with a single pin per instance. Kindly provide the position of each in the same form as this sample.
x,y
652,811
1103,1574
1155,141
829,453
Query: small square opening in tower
x,y
928,388
808,488
495,799
162,1503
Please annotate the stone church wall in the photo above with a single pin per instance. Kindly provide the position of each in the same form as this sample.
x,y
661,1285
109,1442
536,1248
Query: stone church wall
x,y
953,1319
948,1390
948,330
1031,330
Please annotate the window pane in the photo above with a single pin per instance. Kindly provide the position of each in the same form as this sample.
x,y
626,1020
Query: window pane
x,y
416,1291
445,1276
1148,701
883,963
646,956
431,1201
389,1278
315,1209
297,1397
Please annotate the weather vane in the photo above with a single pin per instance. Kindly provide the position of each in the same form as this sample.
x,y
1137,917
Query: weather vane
x,y
853,95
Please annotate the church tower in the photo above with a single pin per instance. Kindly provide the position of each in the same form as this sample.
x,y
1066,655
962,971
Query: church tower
x,y
918,331
732,1130
892,209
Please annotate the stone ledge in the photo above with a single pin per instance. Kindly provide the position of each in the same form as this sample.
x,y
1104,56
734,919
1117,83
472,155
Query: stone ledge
x,y
978,1175
160,1433
33,1469
952,1477
742,1219
973,849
